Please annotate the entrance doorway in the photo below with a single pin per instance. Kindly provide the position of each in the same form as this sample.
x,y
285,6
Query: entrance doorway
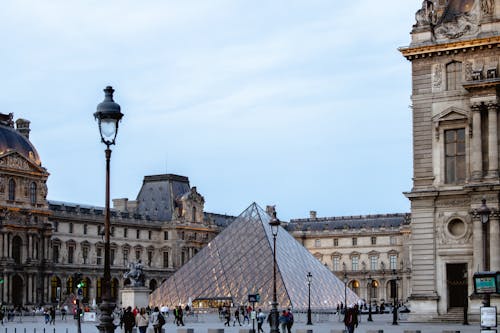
x,y
456,281
17,290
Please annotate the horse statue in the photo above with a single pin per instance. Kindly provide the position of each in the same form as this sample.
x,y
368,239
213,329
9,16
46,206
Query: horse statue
x,y
135,274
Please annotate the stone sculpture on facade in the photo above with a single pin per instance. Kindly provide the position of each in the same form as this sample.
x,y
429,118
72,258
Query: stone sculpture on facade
x,y
425,15
135,274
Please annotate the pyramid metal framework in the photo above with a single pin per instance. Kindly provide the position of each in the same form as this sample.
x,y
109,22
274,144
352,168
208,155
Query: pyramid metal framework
x,y
239,262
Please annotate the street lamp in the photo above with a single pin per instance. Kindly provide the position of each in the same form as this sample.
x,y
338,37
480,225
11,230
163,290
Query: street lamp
x,y
309,280
394,290
370,280
273,316
108,116
345,290
466,298
484,215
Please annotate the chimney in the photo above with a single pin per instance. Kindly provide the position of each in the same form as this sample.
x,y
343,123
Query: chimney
x,y
23,127
312,214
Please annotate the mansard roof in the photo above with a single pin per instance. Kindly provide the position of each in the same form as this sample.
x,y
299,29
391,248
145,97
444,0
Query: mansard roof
x,y
349,222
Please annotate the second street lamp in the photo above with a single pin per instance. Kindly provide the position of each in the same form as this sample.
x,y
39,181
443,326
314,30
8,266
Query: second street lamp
x,y
309,280
370,292
273,315
108,115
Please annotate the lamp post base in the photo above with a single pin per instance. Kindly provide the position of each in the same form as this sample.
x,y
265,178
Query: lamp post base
x,y
106,319
274,318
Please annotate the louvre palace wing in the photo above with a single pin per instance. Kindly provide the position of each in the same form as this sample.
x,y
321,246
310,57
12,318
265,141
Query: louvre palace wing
x,y
239,262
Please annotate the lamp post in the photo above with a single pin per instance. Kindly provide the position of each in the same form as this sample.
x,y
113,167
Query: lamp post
x,y
345,290
394,289
273,315
484,214
309,280
466,298
108,116
370,281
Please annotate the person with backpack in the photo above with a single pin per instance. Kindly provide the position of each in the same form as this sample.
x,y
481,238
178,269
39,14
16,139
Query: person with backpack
x,y
289,322
260,320
157,320
351,318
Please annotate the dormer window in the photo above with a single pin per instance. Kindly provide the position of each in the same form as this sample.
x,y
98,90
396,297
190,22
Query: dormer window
x,y
453,75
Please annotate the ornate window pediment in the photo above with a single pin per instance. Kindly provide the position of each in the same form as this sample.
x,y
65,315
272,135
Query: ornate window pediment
x,y
449,115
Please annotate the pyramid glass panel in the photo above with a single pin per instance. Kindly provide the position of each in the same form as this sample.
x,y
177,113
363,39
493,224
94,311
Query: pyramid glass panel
x,y
239,262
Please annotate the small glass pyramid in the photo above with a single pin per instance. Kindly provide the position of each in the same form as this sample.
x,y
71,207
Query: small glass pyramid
x,y
239,262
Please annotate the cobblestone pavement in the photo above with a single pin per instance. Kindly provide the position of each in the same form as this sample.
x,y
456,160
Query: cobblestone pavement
x,y
203,322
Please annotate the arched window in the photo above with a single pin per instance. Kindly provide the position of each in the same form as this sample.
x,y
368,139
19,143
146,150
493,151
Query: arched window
x,y
453,75
12,189
33,193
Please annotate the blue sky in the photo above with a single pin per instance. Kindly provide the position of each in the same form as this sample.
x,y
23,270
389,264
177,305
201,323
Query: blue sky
x,y
300,104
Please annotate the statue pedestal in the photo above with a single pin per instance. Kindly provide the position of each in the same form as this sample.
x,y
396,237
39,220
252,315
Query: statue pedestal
x,y
135,296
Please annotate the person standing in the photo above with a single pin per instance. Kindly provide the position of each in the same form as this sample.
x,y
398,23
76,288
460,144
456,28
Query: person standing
x,y
128,320
283,320
52,313
181,316
351,319
142,320
289,322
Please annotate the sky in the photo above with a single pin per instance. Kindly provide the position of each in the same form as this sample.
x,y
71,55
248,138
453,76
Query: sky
x,y
300,104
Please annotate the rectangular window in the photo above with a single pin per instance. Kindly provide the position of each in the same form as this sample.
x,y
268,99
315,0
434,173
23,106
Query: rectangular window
x,y
149,234
317,243
125,258
355,263
56,226
99,256
336,264
455,156
393,261
137,254
137,234
70,228
85,227
392,240
125,232
55,254
453,75
112,259
99,231
354,241
335,242
165,235
150,258
71,253
373,240
165,259
112,231
373,263
85,254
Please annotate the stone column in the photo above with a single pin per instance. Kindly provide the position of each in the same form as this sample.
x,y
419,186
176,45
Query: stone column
x,y
494,242
492,141
30,288
477,157
477,245
30,247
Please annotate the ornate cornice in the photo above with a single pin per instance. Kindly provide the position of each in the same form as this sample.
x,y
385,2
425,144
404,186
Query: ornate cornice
x,y
448,48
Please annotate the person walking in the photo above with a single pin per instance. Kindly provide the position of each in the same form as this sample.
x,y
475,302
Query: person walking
x,y
260,321
227,316
142,320
128,320
236,317
351,319
155,320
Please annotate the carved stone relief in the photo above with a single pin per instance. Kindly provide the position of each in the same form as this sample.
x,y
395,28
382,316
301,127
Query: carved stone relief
x,y
437,77
468,70
487,7
426,15
454,230
464,24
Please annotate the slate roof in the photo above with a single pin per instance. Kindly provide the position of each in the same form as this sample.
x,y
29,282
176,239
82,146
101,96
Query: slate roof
x,y
349,222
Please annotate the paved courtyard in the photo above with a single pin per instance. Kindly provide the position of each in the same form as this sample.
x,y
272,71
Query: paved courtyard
x,y
201,324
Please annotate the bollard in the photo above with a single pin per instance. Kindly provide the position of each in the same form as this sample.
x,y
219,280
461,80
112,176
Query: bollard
x,y
304,331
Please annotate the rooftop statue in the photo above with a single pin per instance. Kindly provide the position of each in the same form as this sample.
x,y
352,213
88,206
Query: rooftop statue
x,y
135,274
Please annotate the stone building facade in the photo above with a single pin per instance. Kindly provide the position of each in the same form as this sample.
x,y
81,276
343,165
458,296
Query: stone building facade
x,y
44,244
365,252
454,55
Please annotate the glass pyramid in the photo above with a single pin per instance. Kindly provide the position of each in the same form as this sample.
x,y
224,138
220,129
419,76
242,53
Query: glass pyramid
x,y
239,262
